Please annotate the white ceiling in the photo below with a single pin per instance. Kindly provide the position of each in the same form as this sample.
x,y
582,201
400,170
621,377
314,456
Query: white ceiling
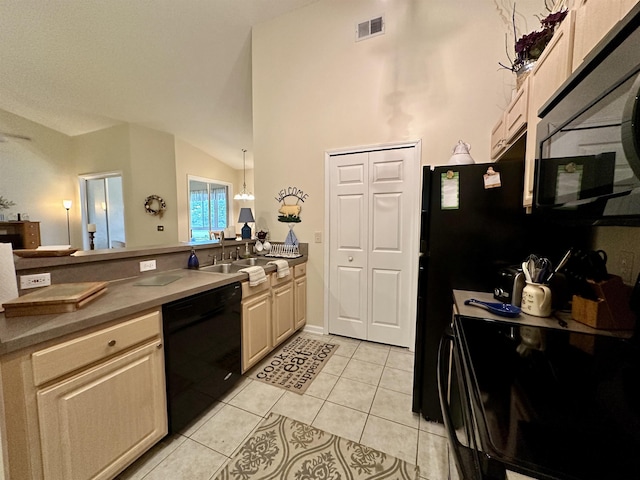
x,y
179,66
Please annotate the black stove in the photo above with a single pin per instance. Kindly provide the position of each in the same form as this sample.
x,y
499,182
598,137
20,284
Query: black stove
x,y
552,403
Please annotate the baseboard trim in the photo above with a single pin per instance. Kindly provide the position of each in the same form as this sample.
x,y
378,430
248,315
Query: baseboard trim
x,y
316,330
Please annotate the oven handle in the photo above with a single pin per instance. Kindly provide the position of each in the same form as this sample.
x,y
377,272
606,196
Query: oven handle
x,y
466,459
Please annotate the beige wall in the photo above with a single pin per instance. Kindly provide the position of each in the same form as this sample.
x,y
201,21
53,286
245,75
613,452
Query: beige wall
x,y
433,76
37,175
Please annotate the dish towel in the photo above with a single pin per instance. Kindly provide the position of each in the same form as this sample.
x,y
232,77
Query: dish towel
x,y
282,267
256,275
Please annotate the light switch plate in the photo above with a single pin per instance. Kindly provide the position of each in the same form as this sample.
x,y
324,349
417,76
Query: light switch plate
x,y
318,237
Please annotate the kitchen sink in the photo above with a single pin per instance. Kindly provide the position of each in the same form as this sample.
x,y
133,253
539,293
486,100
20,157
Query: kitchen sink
x,y
220,268
252,261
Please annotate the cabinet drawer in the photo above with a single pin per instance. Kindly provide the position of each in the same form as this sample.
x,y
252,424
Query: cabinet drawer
x,y
66,357
275,281
300,270
248,291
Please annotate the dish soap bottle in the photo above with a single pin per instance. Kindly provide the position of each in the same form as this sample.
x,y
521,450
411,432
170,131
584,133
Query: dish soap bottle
x,y
193,260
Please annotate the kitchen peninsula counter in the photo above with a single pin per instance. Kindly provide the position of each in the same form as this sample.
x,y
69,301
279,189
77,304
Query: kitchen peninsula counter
x,y
122,298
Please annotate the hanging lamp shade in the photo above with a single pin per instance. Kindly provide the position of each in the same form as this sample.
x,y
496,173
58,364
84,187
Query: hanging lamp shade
x,y
244,195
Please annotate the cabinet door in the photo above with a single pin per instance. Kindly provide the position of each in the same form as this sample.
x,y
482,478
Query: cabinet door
x,y
516,114
552,69
300,298
282,316
498,140
94,424
256,329
594,18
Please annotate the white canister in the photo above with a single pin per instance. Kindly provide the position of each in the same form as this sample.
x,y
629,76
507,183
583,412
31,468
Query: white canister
x,y
536,299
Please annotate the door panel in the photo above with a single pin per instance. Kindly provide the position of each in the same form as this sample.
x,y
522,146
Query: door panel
x,y
385,225
385,304
392,259
348,246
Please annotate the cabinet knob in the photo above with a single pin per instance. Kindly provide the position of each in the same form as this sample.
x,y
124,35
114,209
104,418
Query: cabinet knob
x,y
351,259
159,345
111,343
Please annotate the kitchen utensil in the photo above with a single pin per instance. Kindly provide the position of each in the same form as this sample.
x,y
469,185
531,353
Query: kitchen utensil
x,y
536,300
502,309
525,270
542,270
561,265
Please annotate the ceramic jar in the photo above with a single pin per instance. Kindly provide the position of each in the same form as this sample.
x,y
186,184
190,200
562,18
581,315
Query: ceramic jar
x,y
536,299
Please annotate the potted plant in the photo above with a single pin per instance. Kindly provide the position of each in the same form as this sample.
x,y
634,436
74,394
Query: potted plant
x,y
529,47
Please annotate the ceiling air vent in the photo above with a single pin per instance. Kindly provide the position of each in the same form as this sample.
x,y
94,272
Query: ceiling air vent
x,y
370,28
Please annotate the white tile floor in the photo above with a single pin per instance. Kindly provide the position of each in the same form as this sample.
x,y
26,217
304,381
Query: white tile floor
x,y
363,393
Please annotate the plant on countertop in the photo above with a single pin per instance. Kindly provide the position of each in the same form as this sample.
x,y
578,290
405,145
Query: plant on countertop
x,y
529,47
5,204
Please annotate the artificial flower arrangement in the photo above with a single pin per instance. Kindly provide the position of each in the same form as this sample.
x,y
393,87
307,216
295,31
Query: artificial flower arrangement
x,y
5,204
528,48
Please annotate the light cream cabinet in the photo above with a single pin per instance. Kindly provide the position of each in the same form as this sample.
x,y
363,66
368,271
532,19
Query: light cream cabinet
x,y
300,295
594,19
86,407
282,316
551,70
512,123
271,313
256,323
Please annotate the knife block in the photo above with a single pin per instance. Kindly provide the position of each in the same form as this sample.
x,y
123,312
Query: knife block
x,y
610,311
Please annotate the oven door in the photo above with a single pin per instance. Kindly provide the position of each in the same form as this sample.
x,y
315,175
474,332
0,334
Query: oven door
x,y
460,423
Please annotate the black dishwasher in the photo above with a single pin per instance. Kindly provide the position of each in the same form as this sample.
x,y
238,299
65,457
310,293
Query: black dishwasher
x,y
202,336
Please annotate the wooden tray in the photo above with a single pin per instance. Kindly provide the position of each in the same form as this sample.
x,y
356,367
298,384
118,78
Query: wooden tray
x,y
60,298
33,253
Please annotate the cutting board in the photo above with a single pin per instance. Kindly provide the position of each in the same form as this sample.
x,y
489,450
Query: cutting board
x,y
59,298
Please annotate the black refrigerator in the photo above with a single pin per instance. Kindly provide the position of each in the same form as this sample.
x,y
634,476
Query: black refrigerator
x,y
472,225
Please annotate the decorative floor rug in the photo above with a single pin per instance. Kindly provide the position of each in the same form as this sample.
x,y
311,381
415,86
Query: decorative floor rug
x,y
282,448
295,365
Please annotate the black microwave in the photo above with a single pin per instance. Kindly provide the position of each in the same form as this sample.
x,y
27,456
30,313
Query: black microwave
x,y
588,164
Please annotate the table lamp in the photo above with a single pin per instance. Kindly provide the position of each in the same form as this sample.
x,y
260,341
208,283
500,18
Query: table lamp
x,y
246,216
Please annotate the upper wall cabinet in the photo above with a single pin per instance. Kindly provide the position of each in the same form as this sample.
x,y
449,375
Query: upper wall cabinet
x,y
594,18
511,125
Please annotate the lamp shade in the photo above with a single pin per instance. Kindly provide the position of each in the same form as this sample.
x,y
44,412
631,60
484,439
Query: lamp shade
x,y
245,216
66,204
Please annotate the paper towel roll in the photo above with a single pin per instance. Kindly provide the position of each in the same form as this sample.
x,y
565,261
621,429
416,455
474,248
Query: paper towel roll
x,y
8,284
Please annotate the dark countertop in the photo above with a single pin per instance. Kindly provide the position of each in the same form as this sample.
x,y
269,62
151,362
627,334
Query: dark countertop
x,y
121,299
553,321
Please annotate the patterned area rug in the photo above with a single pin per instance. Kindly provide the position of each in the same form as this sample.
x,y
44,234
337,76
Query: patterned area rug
x,y
282,448
295,365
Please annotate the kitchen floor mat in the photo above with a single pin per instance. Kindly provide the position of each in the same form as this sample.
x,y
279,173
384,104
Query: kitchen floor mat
x,y
295,365
282,448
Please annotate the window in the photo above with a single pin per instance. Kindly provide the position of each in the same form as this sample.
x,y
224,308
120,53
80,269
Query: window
x,y
208,207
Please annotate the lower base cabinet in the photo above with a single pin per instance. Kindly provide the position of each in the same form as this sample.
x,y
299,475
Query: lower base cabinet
x,y
88,406
271,313
256,328
94,424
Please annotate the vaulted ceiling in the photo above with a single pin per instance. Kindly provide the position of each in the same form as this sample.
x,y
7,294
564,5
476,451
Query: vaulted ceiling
x,y
179,66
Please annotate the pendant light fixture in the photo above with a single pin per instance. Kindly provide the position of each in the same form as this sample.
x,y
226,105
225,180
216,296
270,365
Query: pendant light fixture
x,y
244,195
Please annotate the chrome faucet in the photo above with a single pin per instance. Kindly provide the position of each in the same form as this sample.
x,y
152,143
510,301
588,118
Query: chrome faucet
x,y
222,245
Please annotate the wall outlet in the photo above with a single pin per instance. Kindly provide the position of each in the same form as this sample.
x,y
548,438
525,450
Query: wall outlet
x,y
626,266
147,265
35,281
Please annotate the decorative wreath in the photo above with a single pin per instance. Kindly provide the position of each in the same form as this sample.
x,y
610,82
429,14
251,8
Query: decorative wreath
x,y
151,208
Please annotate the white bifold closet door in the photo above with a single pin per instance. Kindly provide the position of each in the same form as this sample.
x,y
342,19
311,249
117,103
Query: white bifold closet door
x,y
374,207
